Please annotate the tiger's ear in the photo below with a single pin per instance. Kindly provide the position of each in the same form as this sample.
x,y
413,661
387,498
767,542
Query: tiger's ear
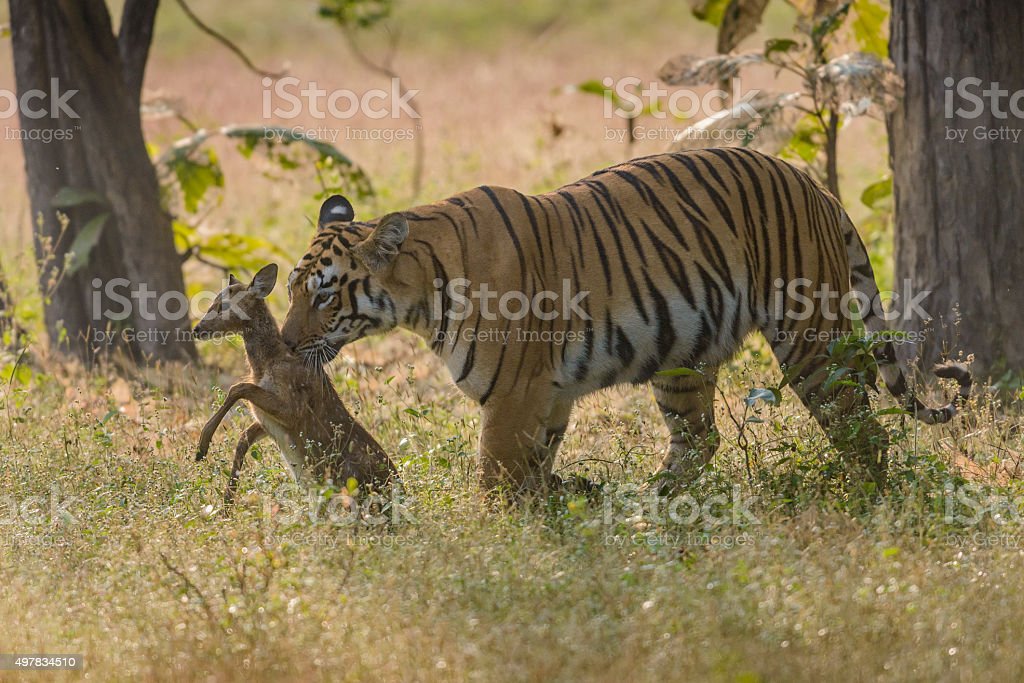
x,y
264,280
380,248
335,209
232,280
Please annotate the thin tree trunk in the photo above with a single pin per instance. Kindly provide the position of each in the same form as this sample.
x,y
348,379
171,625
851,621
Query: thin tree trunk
x,y
959,202
73,42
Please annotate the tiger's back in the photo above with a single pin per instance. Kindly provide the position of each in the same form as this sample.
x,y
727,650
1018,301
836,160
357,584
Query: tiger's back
x,y
673,258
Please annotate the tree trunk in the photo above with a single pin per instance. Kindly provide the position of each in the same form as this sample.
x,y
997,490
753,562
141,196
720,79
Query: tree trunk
x,y
61,46
958,201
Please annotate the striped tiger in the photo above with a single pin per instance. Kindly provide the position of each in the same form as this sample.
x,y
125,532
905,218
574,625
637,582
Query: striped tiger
x,y
664,262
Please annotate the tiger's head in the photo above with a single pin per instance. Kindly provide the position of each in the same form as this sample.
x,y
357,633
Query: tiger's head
x,y
339,290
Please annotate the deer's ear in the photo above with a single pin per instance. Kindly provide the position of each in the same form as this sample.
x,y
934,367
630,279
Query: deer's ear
x,y
263,282
335,209
380,248
232,280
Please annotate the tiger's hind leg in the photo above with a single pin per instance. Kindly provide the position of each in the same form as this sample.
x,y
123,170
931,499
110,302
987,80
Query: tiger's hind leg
x,y
842,408
687,404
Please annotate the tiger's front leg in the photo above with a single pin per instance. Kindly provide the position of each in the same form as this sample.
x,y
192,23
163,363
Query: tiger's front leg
x,y
515,449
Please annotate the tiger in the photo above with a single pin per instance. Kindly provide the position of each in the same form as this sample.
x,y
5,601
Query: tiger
x,y
651,271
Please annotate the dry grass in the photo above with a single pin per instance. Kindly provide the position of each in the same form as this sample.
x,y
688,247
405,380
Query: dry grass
x,y
148,580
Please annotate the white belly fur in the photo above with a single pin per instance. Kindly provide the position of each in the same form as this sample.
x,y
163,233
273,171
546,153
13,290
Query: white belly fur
x,y
291,454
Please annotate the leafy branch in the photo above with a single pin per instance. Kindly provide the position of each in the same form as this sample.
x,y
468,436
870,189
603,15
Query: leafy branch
x,y
355,16
189,169
804,123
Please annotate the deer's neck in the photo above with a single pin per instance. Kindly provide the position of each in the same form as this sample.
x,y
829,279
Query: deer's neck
x,y
263,342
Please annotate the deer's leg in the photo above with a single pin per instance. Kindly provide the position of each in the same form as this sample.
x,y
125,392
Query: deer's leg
x,y
251,435
258,396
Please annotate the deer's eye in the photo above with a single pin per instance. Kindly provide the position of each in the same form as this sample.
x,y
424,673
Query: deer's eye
x,y
323,299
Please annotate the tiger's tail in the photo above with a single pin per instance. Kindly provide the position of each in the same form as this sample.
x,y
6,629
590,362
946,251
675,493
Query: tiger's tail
x,y
862,279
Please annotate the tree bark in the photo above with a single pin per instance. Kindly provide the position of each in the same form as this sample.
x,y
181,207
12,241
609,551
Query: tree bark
x,y
134,37
959,202
70,44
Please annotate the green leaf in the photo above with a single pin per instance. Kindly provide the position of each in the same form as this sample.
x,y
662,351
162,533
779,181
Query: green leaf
x,y
593,87
354,179
868,27
16,373
195,177
235,251
84,242
876,192
711,11
70,197
807,141
183,234
779,45
361,14
345,175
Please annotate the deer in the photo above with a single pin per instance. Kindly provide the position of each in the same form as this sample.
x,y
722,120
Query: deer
x,y
292,401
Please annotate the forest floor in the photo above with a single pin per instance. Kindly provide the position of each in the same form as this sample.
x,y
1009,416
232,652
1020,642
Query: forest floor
x,y
775,566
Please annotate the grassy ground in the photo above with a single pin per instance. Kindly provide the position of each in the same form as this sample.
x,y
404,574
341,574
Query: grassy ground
x,y
111,539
